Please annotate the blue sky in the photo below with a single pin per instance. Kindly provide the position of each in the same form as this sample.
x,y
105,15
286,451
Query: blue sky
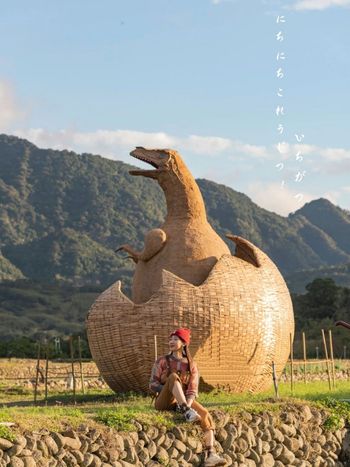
x,y
199,76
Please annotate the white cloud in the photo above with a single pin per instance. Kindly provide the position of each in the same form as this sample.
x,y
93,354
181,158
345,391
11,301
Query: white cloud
x,y
113,144
10,111
301,5
305,149
208,145
333,196
319,159
252,150
334,154
116,143
277,199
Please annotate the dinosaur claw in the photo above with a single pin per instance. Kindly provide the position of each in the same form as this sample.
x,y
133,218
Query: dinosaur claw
x,y
232,237
343,323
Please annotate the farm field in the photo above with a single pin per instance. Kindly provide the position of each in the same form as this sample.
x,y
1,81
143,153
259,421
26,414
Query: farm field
x,y
99,405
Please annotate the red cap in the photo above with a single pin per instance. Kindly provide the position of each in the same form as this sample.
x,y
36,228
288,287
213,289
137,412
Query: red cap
x,y
184,334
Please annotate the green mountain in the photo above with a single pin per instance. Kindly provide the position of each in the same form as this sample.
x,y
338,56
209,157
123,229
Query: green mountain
x,y
8,272
340,274
63,214
34,309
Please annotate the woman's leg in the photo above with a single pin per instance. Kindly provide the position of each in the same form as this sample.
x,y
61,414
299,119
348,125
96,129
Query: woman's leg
x,y
171,393
209,439
179,392
207,423
208,426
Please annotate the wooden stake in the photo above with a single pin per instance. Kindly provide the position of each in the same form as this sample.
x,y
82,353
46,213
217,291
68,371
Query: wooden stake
x,y
72,362
81,366
155,348
291,363
275,382
304,354
37,375
332,356
327,361
46,371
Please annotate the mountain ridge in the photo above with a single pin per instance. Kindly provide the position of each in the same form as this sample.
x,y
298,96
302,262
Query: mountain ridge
x,y
62,214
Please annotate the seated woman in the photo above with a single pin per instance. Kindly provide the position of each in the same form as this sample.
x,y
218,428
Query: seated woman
x,y
175,381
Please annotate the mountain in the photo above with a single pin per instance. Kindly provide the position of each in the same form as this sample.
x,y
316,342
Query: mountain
x,y
340,274
33,309
8,272
63,214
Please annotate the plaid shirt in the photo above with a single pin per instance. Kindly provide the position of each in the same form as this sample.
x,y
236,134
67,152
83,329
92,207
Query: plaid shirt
x,y
160,372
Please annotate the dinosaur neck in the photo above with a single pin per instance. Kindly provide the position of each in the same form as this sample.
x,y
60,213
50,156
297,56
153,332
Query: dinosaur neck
x,y
183,197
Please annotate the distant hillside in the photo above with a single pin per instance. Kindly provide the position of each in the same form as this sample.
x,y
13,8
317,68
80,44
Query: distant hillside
x,y
8,272
33,310
63,214
298,280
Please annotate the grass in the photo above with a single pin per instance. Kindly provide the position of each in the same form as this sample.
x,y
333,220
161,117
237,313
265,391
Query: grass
x,y
7,433
105,408
314,367
35,418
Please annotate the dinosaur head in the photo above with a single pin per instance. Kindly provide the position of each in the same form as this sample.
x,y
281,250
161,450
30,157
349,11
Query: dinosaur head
x,y
158,158
181,191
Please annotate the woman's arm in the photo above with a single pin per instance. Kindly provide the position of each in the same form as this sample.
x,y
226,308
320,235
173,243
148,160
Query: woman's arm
x,y
192,388
155,383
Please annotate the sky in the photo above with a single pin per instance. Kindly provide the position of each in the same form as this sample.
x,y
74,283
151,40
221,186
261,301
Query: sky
x,y
254,94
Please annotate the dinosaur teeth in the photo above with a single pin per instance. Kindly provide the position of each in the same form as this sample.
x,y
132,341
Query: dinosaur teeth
x,y
146,160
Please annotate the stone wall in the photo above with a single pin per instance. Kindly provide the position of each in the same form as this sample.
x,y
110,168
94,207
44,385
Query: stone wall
x,y
294,437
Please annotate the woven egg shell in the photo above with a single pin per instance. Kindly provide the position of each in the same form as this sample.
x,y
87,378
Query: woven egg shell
x,y
241,319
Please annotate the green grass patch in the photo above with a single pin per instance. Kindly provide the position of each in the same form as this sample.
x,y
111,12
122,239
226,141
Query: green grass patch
x,y
339,413
35,418
120,411
7,433
123,418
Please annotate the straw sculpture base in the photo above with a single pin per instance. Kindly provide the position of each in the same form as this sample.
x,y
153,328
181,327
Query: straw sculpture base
x,y
241,319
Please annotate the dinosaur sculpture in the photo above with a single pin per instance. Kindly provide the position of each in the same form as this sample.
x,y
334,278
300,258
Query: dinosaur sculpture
x,y
238,306
186,244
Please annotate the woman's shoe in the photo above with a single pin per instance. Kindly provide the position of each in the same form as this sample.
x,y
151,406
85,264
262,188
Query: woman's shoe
x,y
214,459
191,415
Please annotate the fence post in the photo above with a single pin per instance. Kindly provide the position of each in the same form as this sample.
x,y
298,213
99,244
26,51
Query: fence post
x,y
332,356
81,366
46,371
327,361
72,362
304,353
155,348
37,375
275,382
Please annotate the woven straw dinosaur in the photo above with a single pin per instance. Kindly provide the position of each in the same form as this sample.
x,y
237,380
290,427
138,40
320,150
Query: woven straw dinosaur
x,y
185,244
238,306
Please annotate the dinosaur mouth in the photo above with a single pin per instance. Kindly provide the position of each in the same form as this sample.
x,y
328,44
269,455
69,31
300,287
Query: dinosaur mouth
x,y
145,173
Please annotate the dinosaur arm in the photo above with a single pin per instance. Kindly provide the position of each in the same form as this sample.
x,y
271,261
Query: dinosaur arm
x,y
134,255
154,242
245,250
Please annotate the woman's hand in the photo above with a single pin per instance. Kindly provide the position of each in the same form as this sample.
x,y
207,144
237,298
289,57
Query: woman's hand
x,y
189,401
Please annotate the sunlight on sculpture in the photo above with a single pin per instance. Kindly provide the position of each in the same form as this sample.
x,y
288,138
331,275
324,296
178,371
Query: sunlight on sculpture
x,y
238,306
